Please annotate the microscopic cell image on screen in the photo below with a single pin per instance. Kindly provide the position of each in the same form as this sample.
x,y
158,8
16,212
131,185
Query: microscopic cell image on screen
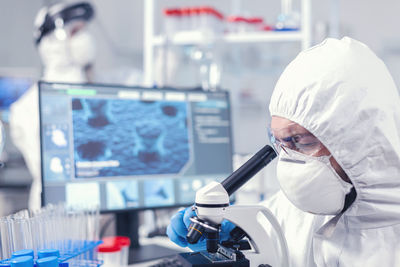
x,y
57,167
158,193
114,137
55,137
122,194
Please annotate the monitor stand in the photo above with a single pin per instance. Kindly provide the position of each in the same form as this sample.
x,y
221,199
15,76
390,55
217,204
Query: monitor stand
x,y
127,224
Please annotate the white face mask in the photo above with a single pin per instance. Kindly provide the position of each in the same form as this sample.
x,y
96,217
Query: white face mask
x,y
82,48
311,183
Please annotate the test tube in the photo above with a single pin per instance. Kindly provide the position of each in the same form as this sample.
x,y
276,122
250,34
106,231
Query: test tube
x,y
59,235
6,238
21,233
38,227
57,227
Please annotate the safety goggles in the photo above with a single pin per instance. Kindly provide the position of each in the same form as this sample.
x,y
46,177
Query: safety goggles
x,y
287,140
63,14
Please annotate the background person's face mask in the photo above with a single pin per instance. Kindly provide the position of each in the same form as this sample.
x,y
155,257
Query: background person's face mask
x,y
82,48
311,183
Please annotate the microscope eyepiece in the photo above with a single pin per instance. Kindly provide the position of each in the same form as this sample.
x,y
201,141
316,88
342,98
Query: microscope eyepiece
x,y
239,177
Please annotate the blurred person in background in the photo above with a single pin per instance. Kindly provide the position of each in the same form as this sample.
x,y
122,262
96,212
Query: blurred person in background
x,y
67,52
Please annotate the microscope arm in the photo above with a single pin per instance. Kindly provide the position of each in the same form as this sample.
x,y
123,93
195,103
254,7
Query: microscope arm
x,y
265,248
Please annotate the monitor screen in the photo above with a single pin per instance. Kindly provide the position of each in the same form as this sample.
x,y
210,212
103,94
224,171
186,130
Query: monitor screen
x,y
131,147
11,88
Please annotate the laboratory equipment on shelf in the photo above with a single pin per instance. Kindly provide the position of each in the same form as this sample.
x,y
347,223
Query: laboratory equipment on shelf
x,y
205,19
208,21
288,22
155,62
289,19
196,22
69,234
250,243
209,69
241,24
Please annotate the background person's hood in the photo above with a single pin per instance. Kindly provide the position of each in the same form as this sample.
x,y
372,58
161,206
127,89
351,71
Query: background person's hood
x,y
343,93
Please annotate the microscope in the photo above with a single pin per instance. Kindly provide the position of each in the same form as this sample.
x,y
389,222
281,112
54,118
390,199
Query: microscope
x,y
250,244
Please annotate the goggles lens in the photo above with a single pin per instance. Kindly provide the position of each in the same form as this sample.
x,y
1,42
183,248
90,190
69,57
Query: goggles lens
x,y
305,143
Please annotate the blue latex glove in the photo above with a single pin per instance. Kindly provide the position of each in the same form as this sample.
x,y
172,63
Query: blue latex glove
x,y
177,230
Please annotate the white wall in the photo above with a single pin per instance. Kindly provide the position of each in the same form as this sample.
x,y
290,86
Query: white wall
x,y
16,39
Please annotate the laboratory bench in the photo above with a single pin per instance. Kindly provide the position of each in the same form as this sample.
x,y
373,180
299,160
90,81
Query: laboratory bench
x,y
157,244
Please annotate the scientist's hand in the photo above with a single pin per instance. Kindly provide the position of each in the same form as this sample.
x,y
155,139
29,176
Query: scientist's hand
x,y
177,230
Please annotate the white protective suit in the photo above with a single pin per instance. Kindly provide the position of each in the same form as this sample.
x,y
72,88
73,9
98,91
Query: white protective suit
x,y
24,113
343,93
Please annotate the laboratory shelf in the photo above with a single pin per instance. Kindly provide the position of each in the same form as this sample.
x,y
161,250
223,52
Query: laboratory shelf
x,y
152,40
197,37
255,37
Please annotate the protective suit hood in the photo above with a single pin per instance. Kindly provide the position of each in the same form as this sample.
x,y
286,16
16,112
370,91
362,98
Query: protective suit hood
x,y
343,94
58,60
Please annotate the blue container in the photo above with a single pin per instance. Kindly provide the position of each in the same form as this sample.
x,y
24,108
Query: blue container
x,y
47,262
43,253
22,252
23,261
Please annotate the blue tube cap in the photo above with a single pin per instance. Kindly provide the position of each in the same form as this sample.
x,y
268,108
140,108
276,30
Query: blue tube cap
x,y
23,261
43,253
47,262
22,252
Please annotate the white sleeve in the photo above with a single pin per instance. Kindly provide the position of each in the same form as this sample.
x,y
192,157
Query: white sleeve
x,y
298,227
24,132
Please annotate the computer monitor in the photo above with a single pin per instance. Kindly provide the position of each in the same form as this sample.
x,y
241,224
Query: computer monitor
x,y
131,148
